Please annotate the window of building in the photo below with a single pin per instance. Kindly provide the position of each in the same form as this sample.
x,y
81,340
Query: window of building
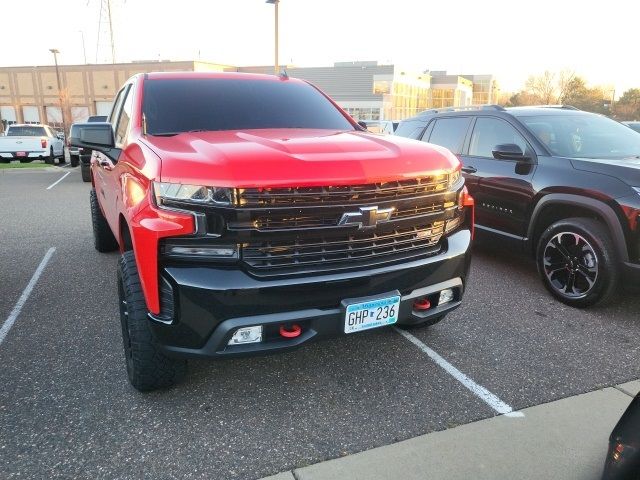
x,y
450,133
489,132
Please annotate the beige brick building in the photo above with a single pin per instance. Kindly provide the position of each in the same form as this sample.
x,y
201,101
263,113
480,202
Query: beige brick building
x,y
30,94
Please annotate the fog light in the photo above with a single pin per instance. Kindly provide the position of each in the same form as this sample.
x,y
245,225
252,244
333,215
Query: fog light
x,y
446,296
246,335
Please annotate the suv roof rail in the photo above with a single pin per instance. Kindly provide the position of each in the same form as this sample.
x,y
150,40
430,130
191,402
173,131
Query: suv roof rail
x,y
462,109
565,107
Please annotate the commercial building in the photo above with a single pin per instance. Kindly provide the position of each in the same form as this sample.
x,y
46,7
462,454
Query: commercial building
x,y
366,90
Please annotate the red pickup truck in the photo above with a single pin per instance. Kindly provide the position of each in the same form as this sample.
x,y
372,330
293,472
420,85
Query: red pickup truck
x,y
253,215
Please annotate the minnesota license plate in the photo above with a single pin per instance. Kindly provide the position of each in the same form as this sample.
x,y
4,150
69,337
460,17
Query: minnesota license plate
x,y
373,313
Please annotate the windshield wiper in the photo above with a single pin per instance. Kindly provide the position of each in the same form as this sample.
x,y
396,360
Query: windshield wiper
x,y
171,134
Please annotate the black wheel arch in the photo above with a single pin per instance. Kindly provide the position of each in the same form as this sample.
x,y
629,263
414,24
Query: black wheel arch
x,y
577,203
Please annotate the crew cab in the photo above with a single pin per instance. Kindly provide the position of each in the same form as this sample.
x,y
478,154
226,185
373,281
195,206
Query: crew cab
x,y
31,142
253,215
553,181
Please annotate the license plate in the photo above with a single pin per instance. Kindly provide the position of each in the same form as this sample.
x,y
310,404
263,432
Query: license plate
x,y
373,313
21,154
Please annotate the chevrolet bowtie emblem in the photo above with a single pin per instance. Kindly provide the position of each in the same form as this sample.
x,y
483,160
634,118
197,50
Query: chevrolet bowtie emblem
x,y
366,217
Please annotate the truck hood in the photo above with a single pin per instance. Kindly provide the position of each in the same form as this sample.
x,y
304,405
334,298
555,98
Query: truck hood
x,y
294,157
626,170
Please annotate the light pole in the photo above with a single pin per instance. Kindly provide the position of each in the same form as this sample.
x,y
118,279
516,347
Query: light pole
x,y
276,65
84,49
55,52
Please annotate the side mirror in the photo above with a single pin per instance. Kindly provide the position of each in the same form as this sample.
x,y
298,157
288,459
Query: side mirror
x,y
509,151
94,136
363,124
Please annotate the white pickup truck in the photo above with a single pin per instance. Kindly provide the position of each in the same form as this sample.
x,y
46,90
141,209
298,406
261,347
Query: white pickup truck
x,y
30,142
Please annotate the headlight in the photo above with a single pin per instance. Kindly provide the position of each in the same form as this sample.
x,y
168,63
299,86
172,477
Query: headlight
x,y
454,176
194,194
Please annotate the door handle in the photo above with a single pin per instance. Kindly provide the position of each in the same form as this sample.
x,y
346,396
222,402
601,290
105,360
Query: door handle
x,y
105,164
469,169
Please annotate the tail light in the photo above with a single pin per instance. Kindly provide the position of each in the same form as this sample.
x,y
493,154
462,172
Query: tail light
x,y
43,142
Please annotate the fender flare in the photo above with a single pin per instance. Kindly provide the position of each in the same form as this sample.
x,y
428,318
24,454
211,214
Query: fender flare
x,y
602,209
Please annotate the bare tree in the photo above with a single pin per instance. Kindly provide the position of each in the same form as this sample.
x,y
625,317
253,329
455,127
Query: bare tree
x,y
543,87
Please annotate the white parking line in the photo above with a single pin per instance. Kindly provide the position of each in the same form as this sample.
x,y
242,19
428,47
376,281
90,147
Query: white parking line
x,y
11,319
57,182
478,390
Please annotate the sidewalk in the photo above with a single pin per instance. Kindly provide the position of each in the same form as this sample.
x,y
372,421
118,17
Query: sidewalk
x,y
565,439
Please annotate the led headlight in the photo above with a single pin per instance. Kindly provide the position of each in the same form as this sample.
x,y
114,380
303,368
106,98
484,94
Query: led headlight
x,y
195,194
454,176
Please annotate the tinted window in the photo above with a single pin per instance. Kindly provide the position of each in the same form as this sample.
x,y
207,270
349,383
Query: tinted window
x,y
124,119
409,129
584,136
450,133
181,105
489,132
116,105
26,132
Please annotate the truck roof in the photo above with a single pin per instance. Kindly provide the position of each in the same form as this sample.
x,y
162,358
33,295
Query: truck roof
x,y
227,75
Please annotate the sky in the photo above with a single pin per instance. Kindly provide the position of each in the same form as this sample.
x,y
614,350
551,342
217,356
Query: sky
x,y
510,39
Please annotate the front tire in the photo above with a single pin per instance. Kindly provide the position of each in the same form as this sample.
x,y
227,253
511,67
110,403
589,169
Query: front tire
x,y
85,171
147,367
75,160
578,263
103,238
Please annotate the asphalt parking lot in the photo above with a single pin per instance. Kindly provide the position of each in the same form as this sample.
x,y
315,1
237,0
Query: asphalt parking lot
x,y
67,410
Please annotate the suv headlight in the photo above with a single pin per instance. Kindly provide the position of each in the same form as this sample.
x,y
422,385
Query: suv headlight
x,y
453,177
194,194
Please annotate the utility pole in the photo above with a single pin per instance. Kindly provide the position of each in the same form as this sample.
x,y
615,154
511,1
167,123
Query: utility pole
x,y
276,64
113,48
105,17
55,52
84,48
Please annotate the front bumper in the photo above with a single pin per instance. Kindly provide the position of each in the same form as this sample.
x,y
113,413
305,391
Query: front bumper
x,y
212,302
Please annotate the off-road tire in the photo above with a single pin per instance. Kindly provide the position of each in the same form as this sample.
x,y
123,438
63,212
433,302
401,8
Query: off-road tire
x,y
85,171
103,238
147,367
597,238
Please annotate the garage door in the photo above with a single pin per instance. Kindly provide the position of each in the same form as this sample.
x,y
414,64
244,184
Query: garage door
x,y
103,108
8,114
79,114
54,115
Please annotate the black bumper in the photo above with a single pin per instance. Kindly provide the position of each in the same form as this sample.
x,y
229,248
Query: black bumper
x,y
212,302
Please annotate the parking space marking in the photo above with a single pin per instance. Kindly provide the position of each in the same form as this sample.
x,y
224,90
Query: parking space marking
x,y
11,319
58,181
478,390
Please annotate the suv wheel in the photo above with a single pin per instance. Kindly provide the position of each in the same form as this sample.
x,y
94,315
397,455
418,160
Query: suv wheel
x,y
147,368
85,171
103,238
51,158
577,262
74,159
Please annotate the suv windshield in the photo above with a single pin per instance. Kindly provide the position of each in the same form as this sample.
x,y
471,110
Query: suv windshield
x,y
173,106
584,136
26,132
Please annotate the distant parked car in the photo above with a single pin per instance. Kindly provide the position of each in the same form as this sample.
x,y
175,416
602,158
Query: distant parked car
x,y
633,126
386,127
29,142
623,457
556,182
83,155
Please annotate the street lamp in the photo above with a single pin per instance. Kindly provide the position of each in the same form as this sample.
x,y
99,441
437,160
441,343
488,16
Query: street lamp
x,y
55,52
276,66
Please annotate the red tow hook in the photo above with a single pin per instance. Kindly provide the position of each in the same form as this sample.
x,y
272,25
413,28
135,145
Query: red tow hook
x,y
422,304
292,331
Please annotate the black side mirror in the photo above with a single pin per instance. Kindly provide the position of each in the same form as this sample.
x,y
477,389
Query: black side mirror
x,y
363,124
509,151
94,136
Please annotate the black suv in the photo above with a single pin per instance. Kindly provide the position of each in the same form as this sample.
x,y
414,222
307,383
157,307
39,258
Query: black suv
x,y
555,181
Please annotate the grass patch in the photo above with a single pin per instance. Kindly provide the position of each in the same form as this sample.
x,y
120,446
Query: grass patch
x,y
23,165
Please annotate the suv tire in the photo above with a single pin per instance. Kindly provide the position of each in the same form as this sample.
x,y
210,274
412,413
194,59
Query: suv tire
x,y
103,238
50,160
577,262
147,367
85,171
74,159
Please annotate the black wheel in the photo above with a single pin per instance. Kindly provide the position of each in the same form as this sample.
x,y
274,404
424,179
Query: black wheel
x,y
50,160
75,160
26,160
5,160
103,238
85,170
147,367
62,159
577,262
426,323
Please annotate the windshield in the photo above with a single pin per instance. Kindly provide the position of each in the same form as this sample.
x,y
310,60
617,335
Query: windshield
x,y
173,106
584,136
26,132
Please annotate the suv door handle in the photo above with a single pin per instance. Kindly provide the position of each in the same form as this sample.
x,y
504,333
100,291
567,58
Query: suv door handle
x,y
106,164
469,169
